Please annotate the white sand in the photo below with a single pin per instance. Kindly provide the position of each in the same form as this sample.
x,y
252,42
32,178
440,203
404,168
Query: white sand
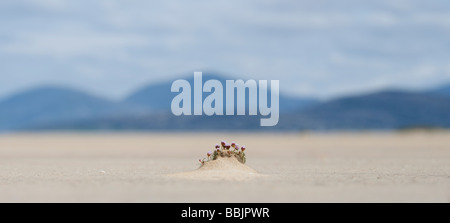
x,y
365,167
224,168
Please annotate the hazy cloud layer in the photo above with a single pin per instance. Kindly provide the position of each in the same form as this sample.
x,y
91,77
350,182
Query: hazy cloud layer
x,y
316,48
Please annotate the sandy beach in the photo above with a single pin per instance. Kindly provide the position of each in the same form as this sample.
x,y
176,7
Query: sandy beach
x,y
290,167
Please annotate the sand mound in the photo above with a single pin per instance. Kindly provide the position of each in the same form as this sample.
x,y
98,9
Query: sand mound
x,y
223,168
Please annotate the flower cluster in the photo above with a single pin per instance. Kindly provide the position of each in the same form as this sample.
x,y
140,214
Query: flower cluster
x,y
225,150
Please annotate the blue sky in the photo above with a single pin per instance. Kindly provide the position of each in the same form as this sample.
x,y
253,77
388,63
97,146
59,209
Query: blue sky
x,y
315,48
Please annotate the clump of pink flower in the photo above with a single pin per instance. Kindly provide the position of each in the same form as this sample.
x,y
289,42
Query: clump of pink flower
x,y
223,150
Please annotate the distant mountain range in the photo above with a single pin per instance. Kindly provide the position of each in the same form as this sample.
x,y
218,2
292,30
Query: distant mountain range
x,y
442,90
382,110
57,108
158,97
44,105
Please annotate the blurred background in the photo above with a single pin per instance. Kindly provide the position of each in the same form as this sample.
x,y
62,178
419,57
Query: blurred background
x,y
109,65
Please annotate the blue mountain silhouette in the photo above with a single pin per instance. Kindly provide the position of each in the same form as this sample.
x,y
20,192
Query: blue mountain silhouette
x,y
50,104
159,97
442,90
382,110
148,108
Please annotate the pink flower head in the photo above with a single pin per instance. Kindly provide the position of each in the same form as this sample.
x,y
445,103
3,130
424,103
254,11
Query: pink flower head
x,y
227,146
217,146
223,143
233,144
200,161
237,147
243,148
209,154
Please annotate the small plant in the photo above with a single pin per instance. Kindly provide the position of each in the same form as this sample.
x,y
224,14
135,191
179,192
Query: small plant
x,y
225,150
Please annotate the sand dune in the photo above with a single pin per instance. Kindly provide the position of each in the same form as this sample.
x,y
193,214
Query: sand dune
x,y
224,168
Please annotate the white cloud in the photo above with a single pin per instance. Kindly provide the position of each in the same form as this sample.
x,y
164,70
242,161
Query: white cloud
x,y
321,48
72,43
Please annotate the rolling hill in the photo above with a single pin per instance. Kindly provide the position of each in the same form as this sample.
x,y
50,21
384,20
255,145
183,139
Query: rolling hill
x,y
56,108
44,105
382,110
158,97
443,90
